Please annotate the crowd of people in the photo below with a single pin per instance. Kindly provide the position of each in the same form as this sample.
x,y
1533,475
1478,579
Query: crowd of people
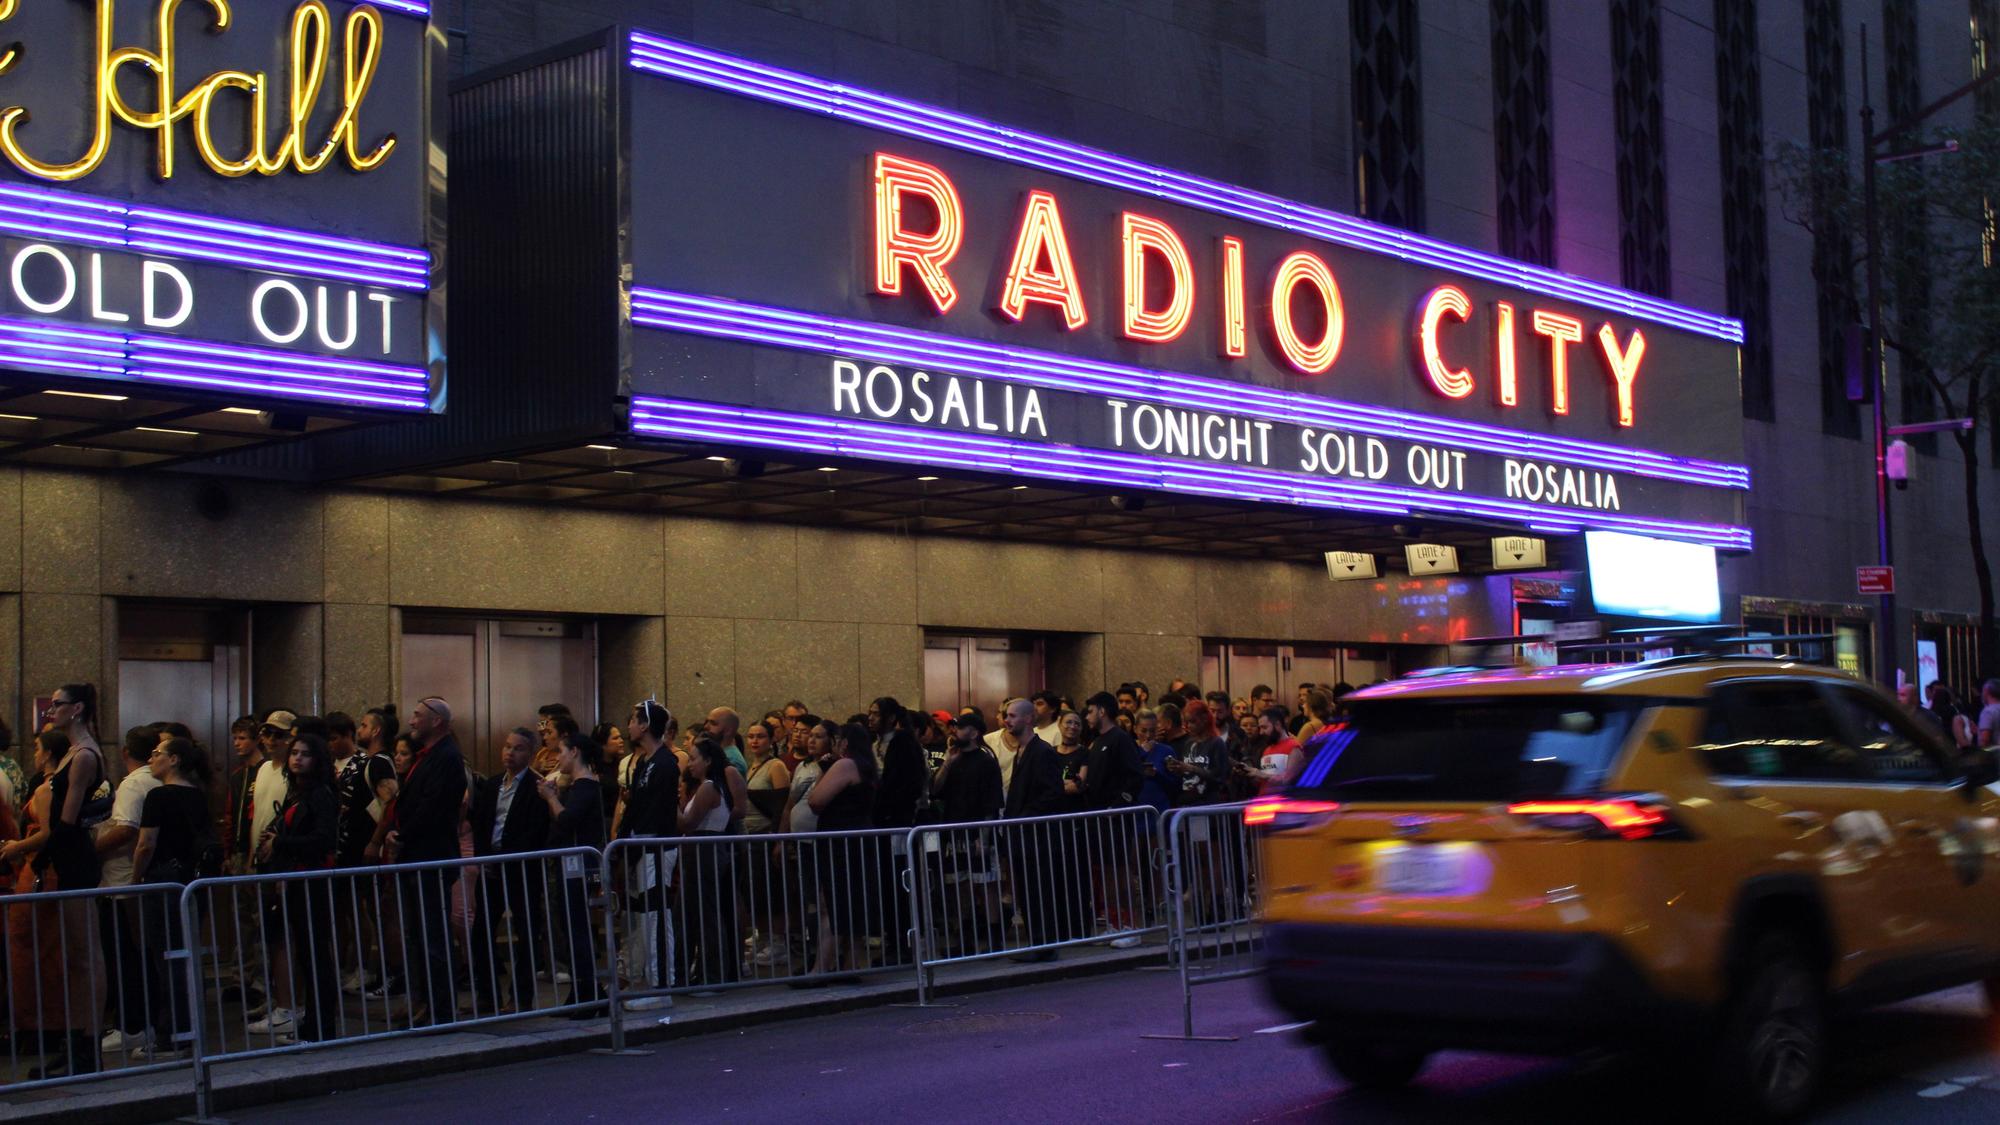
x,y
89,978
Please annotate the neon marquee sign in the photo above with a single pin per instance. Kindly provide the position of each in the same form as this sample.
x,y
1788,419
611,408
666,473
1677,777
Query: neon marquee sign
x,y
1070,313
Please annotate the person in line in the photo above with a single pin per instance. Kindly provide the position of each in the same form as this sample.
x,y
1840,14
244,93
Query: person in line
x,y
801,857
424,828
1278,748
402,755
725,726
967,789
268,790
1988,732
549,750
1001,743
611,737
1035,789
1074,754
13,783
1115,773
650,810
1048,710
708,876
118,917
1203,762
510,816
365,783
575,817
764,897
176,835
903,790
1950,717
844,800
305,994
52,949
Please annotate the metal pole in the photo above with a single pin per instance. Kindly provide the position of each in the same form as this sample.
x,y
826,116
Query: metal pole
x,y
1885,637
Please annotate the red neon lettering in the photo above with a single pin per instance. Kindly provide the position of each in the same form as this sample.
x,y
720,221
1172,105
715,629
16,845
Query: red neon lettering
x,y
1508,382
1233,342
1305,267
1623,364
897,246
1562,331
1041,239
1451,382
1140,235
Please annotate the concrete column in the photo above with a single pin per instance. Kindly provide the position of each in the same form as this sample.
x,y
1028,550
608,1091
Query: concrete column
x,y
287,659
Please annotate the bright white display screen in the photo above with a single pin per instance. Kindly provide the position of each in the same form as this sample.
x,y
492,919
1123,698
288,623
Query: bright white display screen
x,y
1639,576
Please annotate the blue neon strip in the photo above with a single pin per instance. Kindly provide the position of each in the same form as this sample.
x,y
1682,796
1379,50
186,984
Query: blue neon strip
x,y
682,420
406,7
711,316
180,361
1322,763
68,216
671,58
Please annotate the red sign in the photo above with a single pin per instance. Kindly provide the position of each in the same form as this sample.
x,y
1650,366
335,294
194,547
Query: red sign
x,y
1875,579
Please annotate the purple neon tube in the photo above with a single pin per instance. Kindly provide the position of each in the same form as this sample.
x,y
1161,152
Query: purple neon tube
x,y
92,221
678,419
673,59
785,328
143,357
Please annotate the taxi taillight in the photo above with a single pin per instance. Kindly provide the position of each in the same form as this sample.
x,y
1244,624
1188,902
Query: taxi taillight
x,y
1622,818
1281,814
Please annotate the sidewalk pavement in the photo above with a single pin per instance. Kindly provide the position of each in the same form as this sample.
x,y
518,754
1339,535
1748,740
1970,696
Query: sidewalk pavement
x,y
313,1073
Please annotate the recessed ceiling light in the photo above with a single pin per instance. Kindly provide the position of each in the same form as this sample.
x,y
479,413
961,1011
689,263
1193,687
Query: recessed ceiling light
x,y
20,417
1020,487
241,410
623,473
497,461
828,469
926,478
87,394
718,458
607,447
164,430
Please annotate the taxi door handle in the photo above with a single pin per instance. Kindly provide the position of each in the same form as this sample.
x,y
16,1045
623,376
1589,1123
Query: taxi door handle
x,y
1802,818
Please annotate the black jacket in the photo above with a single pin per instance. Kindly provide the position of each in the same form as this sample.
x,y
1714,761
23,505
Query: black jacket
x,y
904,773
307,826
652,803
1117,769
969,786
527,816
427,808
1036,788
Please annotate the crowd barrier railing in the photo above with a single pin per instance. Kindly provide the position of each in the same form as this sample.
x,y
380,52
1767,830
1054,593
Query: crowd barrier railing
x,y
92,982
244,966
1213,870
299,960
701,914
999,888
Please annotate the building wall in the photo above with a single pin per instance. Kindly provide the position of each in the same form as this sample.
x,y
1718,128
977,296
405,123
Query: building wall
x,y
702,612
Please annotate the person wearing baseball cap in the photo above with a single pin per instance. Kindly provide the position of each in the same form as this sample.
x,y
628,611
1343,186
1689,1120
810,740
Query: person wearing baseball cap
x,y
272,785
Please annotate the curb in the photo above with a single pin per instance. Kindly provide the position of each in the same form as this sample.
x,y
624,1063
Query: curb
x,y
317,1073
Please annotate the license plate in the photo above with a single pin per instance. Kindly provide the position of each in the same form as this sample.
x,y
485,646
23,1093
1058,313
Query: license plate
x,y
1420,869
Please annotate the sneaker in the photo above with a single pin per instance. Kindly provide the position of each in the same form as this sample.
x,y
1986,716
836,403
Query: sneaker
x,y
117,1041
161,1052
387,990
765,957
281,1021
357,982
649,1003
1126,942
562,977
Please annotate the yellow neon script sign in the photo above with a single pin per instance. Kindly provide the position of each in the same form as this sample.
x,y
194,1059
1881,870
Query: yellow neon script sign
x,y
311,55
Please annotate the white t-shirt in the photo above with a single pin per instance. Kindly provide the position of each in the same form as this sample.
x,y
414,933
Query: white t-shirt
x,y
268,793
1051,734
126,806
996,741
804,819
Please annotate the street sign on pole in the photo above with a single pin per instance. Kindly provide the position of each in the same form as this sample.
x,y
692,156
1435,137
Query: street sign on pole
x,y
1875,579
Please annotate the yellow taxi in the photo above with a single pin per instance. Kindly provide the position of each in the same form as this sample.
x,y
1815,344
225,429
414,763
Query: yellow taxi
x,y
1714,851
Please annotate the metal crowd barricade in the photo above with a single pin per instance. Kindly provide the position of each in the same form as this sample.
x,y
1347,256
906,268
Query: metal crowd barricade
x,y
711,913
297,960
997,888
1213,868
82,965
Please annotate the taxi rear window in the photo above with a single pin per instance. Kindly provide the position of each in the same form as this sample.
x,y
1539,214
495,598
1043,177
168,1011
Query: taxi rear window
x,y
1470,749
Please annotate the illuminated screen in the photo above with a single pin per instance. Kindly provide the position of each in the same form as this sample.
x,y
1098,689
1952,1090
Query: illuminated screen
x,y
1639,576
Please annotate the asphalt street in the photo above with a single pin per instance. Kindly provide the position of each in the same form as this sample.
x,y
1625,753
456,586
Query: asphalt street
x,y
1071,1051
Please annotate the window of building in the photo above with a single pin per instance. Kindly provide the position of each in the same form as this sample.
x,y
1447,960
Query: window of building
x,y
1641,146
1521,128
1739,105
1833,248
1388,113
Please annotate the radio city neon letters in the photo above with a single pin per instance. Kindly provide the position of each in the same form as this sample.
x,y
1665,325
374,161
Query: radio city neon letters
x,y
310,57
1158,289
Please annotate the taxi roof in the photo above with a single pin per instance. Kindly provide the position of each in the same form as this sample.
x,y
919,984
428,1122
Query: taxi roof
x,y
1670,676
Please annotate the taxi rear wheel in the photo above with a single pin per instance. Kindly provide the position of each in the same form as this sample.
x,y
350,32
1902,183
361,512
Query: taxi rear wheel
x,y
1374,1065
1772,1051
